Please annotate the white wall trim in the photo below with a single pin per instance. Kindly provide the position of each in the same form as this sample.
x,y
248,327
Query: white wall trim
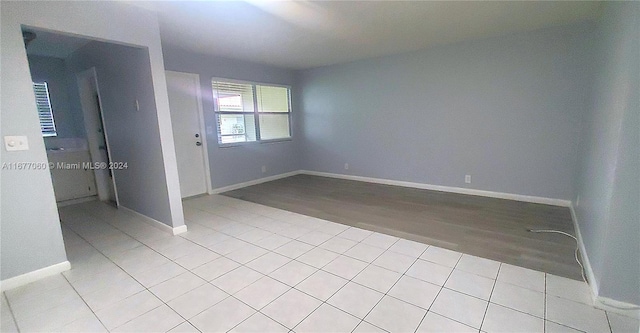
x,y
586,263
21,280
460,190
600,302
622,308
155,223
76,201
254,182
179,230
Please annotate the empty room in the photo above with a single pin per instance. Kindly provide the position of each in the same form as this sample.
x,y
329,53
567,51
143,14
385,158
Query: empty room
x,y
320,166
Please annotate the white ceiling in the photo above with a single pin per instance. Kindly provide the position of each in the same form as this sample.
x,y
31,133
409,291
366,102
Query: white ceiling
x,y
308,34
50,44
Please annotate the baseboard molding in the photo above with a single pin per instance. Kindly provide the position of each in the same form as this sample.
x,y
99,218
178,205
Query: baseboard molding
x,y
611,305
179,230
21,280
460,190
586,263
76,201
600,302
155,223
253,182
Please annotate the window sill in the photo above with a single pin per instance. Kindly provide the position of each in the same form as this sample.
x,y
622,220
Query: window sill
x,y
251,143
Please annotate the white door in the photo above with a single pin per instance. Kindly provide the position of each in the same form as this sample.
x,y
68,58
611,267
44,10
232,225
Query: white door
x,y
188,134
96,134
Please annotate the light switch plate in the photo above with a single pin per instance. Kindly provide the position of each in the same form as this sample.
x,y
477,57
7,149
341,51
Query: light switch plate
x,y
14,143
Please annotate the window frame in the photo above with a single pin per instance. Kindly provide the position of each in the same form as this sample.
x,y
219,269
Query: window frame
x,y
53,133
256,114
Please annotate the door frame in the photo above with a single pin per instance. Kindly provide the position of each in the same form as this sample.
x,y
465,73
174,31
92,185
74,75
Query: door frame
x,y
203,129
92,74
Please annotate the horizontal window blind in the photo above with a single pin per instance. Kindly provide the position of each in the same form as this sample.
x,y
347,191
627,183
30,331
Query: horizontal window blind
x,y
233,97
272,99
45,113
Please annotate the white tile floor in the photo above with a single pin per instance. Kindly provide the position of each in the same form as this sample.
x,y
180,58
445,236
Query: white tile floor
x,y
244,267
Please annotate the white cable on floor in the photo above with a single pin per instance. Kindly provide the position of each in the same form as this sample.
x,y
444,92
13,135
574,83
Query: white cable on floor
x,y
578,260
566,234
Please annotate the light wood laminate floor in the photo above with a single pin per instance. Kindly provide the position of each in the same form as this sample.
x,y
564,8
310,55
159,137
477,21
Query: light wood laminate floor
x,y
491,228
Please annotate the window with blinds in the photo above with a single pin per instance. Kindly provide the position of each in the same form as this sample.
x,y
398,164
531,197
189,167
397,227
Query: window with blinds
x,y
248,112
45,113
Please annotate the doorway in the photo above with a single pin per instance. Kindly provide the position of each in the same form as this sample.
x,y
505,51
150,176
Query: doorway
x,y
187,119
71,119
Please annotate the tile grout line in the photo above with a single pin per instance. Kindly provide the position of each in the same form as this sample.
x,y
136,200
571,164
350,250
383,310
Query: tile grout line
x,y
13,316
368,264
316,246
438,294
134,294
319,269
350,280
385,293
194,268
187,269
313,247
544,313
145,287
81,297
84,301
493,287
101,219
509,307
608,321
108,258
244,265
371,263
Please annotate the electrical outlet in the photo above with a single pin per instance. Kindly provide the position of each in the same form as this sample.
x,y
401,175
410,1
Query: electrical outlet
x,y
467,179
264,168
346,166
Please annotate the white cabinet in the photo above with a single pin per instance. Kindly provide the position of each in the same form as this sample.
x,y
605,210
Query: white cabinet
x,y
70,179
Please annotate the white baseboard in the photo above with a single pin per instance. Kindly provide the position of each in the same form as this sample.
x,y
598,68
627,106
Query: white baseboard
x,y
21,280
253,182
586,263
76,201
179,230
155,223
600,302
622,308
460,190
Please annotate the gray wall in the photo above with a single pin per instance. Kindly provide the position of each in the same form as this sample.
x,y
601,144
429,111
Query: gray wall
x,y
124,75
30,234
608,182
232,165
505,110
69,124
